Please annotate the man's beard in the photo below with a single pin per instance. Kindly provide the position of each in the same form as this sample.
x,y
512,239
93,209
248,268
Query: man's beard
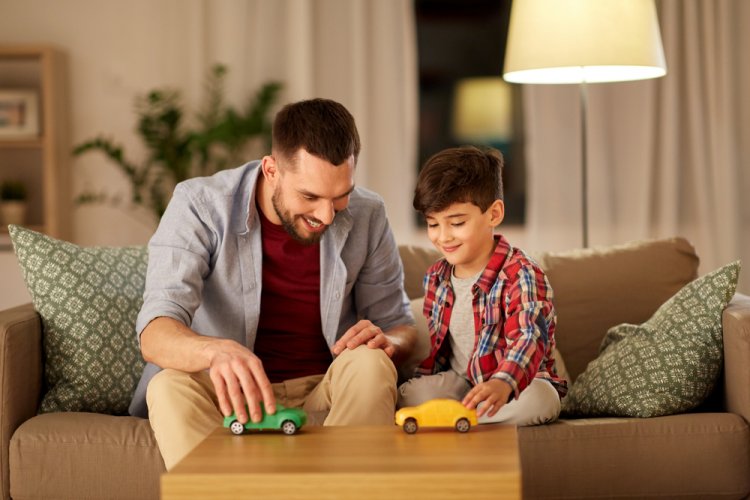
x,y
287,221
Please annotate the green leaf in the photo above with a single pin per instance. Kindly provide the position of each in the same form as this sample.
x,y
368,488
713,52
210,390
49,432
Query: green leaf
x,y
175,150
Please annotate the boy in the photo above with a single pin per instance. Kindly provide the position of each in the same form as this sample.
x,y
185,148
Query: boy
x,y
488,305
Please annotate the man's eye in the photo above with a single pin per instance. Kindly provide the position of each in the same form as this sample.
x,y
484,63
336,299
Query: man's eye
x,y
308,197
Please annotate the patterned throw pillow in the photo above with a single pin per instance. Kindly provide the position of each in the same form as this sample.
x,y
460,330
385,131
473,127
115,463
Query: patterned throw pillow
x,y
667,365
88,299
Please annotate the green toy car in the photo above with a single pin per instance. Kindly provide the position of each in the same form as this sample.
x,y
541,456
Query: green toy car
x,y
286,419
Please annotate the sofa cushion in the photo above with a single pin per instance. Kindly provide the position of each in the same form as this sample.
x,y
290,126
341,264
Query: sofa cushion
x,y
88,299
84,455
668,364
598,288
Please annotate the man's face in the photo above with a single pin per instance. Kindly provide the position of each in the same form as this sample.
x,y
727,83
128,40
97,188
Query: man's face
x,y
308,194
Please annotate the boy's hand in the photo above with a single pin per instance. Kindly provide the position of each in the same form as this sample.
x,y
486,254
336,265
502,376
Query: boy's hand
x,y
364,333
494,393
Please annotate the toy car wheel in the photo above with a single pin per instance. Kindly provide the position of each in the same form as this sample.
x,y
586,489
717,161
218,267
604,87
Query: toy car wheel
x,y
236,427
410,426
463,425
288,427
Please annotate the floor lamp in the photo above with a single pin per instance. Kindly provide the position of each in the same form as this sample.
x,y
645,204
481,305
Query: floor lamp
x,y
583,42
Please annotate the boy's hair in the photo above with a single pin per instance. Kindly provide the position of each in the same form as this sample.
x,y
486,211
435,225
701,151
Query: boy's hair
x,y
324,128
460,175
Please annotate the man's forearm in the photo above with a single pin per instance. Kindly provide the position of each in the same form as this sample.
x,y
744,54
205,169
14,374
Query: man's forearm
x,y
168,343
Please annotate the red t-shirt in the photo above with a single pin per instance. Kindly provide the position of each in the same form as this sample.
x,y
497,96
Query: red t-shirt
x,y
290,340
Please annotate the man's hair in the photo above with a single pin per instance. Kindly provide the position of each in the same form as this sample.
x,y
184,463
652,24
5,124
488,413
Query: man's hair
x,y
324,128
460,175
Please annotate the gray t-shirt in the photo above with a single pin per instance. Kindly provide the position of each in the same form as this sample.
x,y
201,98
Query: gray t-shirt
x,y
461,327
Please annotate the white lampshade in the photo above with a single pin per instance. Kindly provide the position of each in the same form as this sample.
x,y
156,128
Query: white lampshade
x,y
482,110
574,41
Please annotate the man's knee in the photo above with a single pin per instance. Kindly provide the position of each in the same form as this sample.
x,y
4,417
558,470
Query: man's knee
x,y
368,362
362,388
162,383
169,385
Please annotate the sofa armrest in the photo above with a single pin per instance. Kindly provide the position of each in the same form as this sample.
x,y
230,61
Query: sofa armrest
x,y
736,328
20,376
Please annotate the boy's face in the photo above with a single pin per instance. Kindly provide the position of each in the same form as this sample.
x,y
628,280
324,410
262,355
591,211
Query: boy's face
x,y
465,235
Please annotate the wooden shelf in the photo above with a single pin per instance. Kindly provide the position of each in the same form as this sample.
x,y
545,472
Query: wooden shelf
x,y
41,163
33,143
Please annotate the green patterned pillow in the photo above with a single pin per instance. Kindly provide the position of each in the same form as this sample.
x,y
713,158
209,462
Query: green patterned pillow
x,y
88,299
667,365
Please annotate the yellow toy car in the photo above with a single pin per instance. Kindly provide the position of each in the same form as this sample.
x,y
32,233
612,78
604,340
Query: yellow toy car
x,y
436,413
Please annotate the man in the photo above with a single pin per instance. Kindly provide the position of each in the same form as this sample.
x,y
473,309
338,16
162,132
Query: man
x,y
276,281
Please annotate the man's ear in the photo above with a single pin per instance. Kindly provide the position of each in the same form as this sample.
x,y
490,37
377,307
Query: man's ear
x,y
497,212
270,168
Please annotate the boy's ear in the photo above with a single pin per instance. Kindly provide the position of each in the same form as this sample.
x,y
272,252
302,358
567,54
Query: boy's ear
x,y
497,212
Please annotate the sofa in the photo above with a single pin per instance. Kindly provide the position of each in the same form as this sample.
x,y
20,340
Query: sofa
x,y
702,453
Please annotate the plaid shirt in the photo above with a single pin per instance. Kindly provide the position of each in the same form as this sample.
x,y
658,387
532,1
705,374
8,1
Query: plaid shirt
x,y
514,321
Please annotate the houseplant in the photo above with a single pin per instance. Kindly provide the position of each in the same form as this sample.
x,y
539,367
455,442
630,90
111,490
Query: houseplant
x,y
13,202
177,150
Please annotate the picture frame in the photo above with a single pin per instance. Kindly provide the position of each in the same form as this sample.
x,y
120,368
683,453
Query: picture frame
x,y
19,114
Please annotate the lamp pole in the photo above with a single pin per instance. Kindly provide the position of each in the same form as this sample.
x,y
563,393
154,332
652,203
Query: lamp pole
x,y
584,166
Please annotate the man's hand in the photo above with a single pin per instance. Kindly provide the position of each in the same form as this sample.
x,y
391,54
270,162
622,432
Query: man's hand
x,y
364,333
494,393
237,374
239,380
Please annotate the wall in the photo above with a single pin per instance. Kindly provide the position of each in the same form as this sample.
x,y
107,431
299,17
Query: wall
x,y
119,49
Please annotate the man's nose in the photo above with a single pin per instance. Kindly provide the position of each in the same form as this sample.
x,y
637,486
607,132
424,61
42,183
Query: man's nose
x,y
325,212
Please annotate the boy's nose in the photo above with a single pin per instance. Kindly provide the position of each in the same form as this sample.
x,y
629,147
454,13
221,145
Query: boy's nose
x,y
445,235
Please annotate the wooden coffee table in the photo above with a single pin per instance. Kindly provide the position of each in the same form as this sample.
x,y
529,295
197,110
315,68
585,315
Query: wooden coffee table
x,y
351,463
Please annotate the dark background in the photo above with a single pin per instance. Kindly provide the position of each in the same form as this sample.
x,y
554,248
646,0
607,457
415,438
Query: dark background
x,y
458,39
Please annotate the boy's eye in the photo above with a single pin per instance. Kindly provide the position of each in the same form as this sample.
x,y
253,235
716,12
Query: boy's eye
x,y
457,224
432,225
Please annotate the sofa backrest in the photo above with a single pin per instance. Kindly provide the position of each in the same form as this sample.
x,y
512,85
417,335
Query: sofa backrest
x,y
594,289
416,260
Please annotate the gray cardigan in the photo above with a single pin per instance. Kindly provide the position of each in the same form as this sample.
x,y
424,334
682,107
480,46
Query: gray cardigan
x,y
205,263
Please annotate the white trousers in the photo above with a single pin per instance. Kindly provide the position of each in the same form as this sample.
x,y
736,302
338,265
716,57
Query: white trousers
x,y
538,404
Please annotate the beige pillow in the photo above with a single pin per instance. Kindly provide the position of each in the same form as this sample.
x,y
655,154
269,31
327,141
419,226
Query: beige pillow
x,y
598,288
669,364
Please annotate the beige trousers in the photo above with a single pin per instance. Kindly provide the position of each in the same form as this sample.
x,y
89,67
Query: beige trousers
x,y
538,404
359,388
